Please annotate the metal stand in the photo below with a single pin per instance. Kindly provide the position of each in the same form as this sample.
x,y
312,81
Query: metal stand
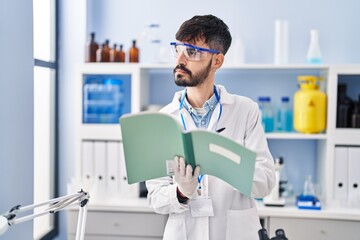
x,y
57,204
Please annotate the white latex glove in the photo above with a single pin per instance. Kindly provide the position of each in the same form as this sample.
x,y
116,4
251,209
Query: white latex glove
x,y
186,180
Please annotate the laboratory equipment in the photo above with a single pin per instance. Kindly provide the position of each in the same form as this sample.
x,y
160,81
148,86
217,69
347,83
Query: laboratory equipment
x,y
91,47
314,55
281,47
134,53
103,53
267,113
284,116
55,205
308,199
122,54
279,235
309,106
151,43
274,199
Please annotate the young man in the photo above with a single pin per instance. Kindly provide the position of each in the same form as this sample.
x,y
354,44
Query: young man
x,y
205,207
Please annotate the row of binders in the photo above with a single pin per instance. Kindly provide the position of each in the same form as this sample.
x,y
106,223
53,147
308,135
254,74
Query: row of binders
x,y
103,170
347,176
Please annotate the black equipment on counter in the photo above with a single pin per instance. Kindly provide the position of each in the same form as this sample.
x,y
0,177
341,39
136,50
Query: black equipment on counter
x,y
279,235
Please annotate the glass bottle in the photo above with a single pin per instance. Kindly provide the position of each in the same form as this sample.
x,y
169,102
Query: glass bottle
x,y
284,116
314,55
309,189
114,54
355,118
344,108
91,48
99,52
267,115
151,43
121,54
134,53
105,53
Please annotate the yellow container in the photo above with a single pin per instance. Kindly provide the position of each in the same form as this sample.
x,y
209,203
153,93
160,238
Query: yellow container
x,y
309,106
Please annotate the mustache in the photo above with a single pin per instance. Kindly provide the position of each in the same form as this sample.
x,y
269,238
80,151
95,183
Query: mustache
x,y
183,68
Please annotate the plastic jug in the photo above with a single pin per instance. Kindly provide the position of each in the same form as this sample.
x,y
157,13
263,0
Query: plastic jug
x,y
309,106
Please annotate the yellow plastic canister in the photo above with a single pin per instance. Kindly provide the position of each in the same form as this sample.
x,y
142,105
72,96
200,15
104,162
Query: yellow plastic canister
x,y
309,106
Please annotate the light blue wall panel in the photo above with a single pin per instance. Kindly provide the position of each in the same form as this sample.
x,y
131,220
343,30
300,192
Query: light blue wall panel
x,y
16,111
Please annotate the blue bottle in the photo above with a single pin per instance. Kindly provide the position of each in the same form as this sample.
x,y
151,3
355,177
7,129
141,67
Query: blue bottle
x,y
284,116
267,114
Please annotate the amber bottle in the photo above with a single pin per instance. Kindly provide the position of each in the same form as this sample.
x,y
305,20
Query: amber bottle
x,y
91,48
121,54
105,52
99,52
114,54
134,53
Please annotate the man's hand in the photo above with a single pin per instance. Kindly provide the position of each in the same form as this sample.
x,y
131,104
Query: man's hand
x,y
186,180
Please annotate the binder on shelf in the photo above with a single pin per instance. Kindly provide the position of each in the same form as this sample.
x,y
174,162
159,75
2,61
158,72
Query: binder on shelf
x,y
100,164
151,140
354,177
126,189
113,168
341,173
87,158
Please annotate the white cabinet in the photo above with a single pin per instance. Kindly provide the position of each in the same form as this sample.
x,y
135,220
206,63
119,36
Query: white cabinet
x,y
319,229
118,224
338,138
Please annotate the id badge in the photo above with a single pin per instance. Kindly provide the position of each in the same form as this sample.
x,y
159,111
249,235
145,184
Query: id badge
x,y
201,207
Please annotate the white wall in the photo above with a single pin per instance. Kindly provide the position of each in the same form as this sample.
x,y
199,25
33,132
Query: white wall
x,y
338,23
16,111
71,53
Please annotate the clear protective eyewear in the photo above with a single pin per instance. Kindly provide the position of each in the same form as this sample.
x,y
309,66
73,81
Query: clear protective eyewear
x,y
191,52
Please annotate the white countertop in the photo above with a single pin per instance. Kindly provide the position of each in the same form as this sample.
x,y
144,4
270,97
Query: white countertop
x,y
141,205
294,212
123,205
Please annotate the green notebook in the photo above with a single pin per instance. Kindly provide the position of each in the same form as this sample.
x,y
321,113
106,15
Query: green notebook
x,y
151,140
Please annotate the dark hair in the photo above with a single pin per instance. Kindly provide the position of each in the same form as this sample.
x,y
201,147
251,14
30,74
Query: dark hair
x,y
212,30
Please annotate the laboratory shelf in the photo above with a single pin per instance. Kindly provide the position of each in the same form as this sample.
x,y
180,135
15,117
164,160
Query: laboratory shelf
x,y
346,136
111,132
245,66
298,136
294,212
253,78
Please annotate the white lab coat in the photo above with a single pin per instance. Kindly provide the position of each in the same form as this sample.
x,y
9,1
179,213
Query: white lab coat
x,y
235,215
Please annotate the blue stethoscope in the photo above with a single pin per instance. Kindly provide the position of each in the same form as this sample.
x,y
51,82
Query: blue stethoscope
x,y
184,124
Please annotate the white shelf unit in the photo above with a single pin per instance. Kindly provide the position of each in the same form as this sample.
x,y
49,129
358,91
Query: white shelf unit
x,y
109,132
325,142
337,136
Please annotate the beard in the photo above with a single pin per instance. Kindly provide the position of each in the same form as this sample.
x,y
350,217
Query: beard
x,y
193,80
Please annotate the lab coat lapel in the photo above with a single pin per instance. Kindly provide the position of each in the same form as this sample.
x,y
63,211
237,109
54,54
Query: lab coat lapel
x,y
189,122
214,119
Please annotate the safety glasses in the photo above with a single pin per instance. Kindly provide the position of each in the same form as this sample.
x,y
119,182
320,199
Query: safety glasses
x,y
191,52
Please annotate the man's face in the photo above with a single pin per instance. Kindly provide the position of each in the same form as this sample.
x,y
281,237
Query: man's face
x,y
189,73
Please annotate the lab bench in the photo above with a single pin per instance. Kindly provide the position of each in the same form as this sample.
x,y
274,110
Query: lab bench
x,y
133,219
299,224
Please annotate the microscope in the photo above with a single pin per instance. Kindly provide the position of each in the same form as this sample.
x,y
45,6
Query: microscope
x,y
279,235
274,199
